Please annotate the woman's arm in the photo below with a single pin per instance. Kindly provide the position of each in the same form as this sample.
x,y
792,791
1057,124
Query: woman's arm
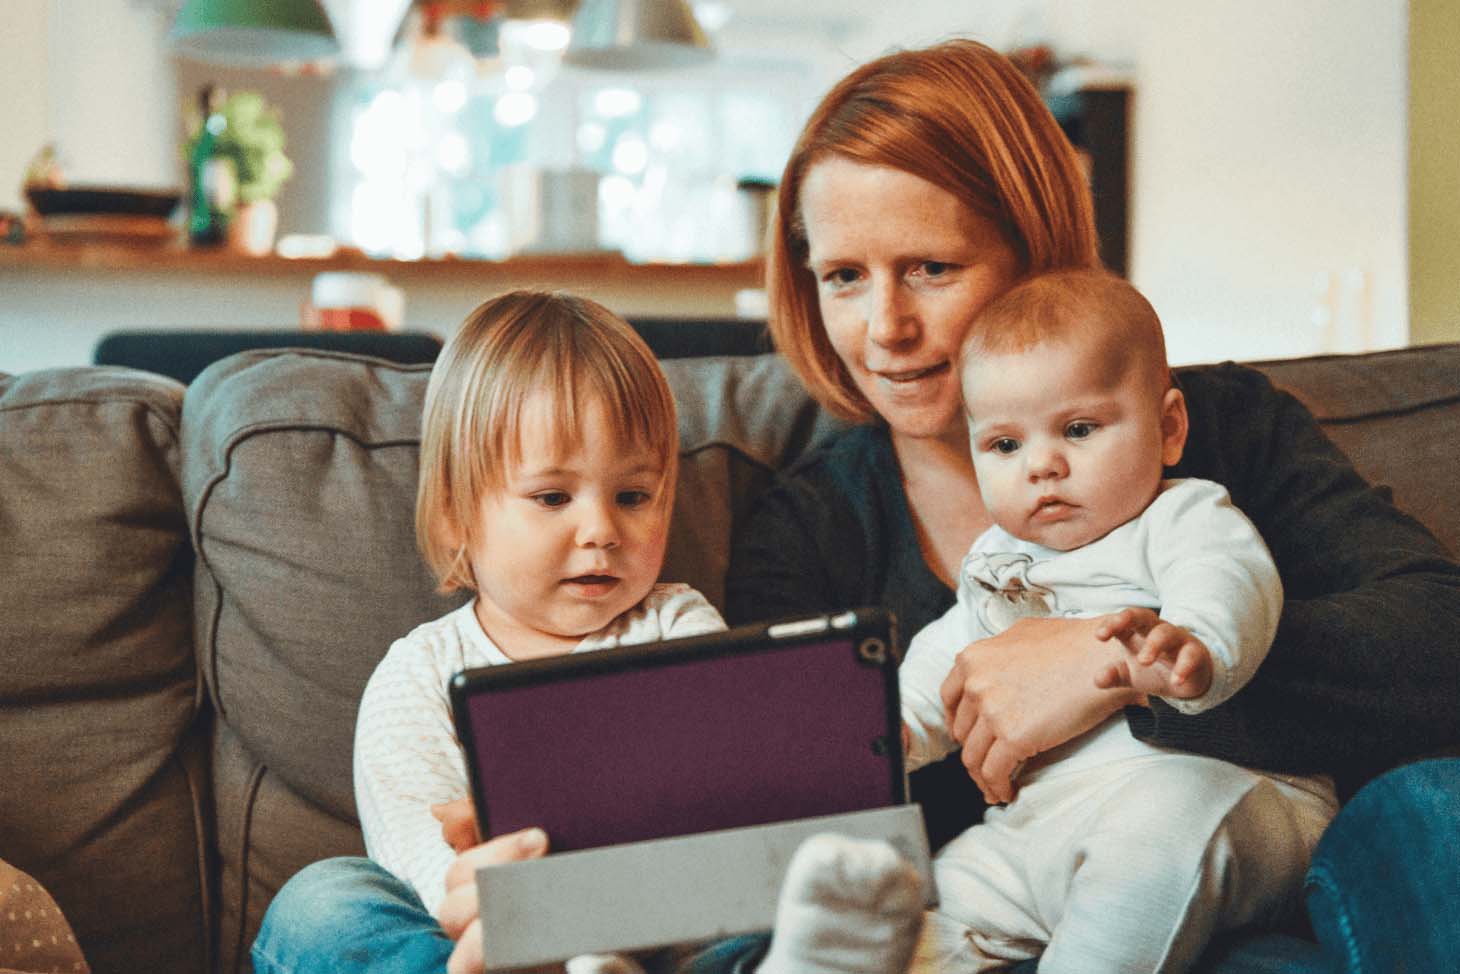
x,y
1363,670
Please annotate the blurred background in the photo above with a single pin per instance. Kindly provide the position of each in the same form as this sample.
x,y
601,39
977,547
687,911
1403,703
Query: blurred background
x,y
1286,182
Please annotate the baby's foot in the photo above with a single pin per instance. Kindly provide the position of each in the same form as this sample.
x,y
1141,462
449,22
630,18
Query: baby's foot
x,y
848,906
603,964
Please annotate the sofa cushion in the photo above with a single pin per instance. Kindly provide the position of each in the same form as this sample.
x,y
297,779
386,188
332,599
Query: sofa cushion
x,y
299,484
98,691
1394,414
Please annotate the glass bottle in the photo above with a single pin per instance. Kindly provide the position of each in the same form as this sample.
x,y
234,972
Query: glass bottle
x,y
212,177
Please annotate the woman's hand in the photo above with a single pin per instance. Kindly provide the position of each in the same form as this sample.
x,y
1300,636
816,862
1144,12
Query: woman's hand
x,y
458,913
1024,691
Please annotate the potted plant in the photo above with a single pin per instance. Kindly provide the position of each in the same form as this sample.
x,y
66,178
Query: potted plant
x,y
245,135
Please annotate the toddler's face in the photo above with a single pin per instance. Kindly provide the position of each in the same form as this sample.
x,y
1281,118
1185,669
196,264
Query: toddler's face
x,y
575,537
1067,447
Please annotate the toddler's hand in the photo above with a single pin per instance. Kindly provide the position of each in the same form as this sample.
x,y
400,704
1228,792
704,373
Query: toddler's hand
x,y
458,913
1160,658
458,824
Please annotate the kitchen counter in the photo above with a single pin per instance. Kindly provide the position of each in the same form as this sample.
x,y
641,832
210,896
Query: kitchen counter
x,y
57,300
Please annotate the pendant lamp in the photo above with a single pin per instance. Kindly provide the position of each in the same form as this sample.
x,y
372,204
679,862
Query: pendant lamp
x,y
253,32
636,35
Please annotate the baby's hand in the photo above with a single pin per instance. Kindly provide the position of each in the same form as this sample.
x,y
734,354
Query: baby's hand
x,y
1160,658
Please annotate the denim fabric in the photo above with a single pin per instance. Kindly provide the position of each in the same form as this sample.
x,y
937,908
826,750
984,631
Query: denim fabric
x,y
1384,887
738,955
348,916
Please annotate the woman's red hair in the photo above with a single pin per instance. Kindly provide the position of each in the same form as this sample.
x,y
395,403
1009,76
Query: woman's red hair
x,y
961,116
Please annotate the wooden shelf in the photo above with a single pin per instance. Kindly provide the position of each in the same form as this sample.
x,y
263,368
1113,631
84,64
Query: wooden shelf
x,y
111,257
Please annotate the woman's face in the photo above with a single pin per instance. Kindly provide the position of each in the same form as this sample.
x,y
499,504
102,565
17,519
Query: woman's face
x,y
901,266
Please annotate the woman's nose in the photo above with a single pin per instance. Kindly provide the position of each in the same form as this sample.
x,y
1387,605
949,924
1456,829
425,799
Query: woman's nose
x,y
890,319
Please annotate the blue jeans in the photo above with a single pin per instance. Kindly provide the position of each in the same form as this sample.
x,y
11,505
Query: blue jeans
x,y
348,916
1384,887
1383,896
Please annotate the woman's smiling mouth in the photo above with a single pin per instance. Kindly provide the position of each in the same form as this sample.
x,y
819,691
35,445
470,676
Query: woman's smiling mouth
x,y
910,375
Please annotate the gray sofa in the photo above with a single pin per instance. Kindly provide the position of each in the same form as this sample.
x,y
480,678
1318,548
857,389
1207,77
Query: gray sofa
x,y
197,582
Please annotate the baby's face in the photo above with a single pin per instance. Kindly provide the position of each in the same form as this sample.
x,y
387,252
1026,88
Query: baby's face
x,y
1067,445
573,539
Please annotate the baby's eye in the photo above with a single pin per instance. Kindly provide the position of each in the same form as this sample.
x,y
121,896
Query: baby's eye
x,y
634,498
1079,430
552,499
1005,445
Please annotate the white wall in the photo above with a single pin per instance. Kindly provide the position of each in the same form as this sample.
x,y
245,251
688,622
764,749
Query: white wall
x,y
85,75
23,94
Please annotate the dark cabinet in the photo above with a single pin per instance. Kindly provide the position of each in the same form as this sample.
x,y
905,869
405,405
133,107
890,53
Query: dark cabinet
x,y
1096,118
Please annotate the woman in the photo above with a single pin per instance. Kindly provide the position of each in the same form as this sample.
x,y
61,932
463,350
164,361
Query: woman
x,y
923,185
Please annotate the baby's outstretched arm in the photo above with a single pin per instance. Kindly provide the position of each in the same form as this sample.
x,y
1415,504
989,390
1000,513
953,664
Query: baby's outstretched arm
x,y
1160,658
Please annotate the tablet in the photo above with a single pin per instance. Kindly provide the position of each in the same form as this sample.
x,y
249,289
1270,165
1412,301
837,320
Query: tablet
x,y
762,723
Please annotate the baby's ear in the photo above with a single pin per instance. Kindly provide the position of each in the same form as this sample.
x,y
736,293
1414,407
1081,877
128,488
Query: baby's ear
x,y
1174,427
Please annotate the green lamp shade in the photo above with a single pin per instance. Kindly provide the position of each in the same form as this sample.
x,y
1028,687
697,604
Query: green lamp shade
x,y
253,32
636,35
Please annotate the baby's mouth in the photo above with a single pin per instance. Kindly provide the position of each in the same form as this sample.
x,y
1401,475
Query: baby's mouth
x,y
1051,507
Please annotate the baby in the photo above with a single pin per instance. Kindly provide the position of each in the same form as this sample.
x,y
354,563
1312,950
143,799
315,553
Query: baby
x,y
1115,855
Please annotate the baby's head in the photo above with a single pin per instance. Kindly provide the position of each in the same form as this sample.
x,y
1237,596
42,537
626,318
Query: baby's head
x,y
1071,409
548,457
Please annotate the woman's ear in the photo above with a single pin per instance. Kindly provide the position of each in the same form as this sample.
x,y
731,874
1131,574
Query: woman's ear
x,y
1174,426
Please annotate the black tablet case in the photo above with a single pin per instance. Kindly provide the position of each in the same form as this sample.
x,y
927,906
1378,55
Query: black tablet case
x,y
756,725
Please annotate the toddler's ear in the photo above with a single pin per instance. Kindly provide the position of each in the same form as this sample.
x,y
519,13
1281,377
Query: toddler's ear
x,y
1173,427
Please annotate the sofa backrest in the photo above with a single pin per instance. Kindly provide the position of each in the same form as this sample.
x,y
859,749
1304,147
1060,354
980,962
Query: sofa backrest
x,y
1395,414
102,799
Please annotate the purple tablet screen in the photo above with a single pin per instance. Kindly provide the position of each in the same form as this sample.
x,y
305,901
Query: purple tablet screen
x,y
693,745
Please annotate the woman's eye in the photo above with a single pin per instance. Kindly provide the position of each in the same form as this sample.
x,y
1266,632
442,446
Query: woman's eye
x,y
1005,445
935,268
634,498
552,498
1078,431
839,277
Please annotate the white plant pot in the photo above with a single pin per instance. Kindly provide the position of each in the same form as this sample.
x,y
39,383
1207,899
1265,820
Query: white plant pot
x,y
252,229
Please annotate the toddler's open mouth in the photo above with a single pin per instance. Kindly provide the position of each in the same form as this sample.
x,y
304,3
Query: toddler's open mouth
x,y
591,579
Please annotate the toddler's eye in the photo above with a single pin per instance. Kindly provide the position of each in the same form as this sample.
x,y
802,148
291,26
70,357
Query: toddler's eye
x,y
1005,445
1079,430
552,498
634,498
